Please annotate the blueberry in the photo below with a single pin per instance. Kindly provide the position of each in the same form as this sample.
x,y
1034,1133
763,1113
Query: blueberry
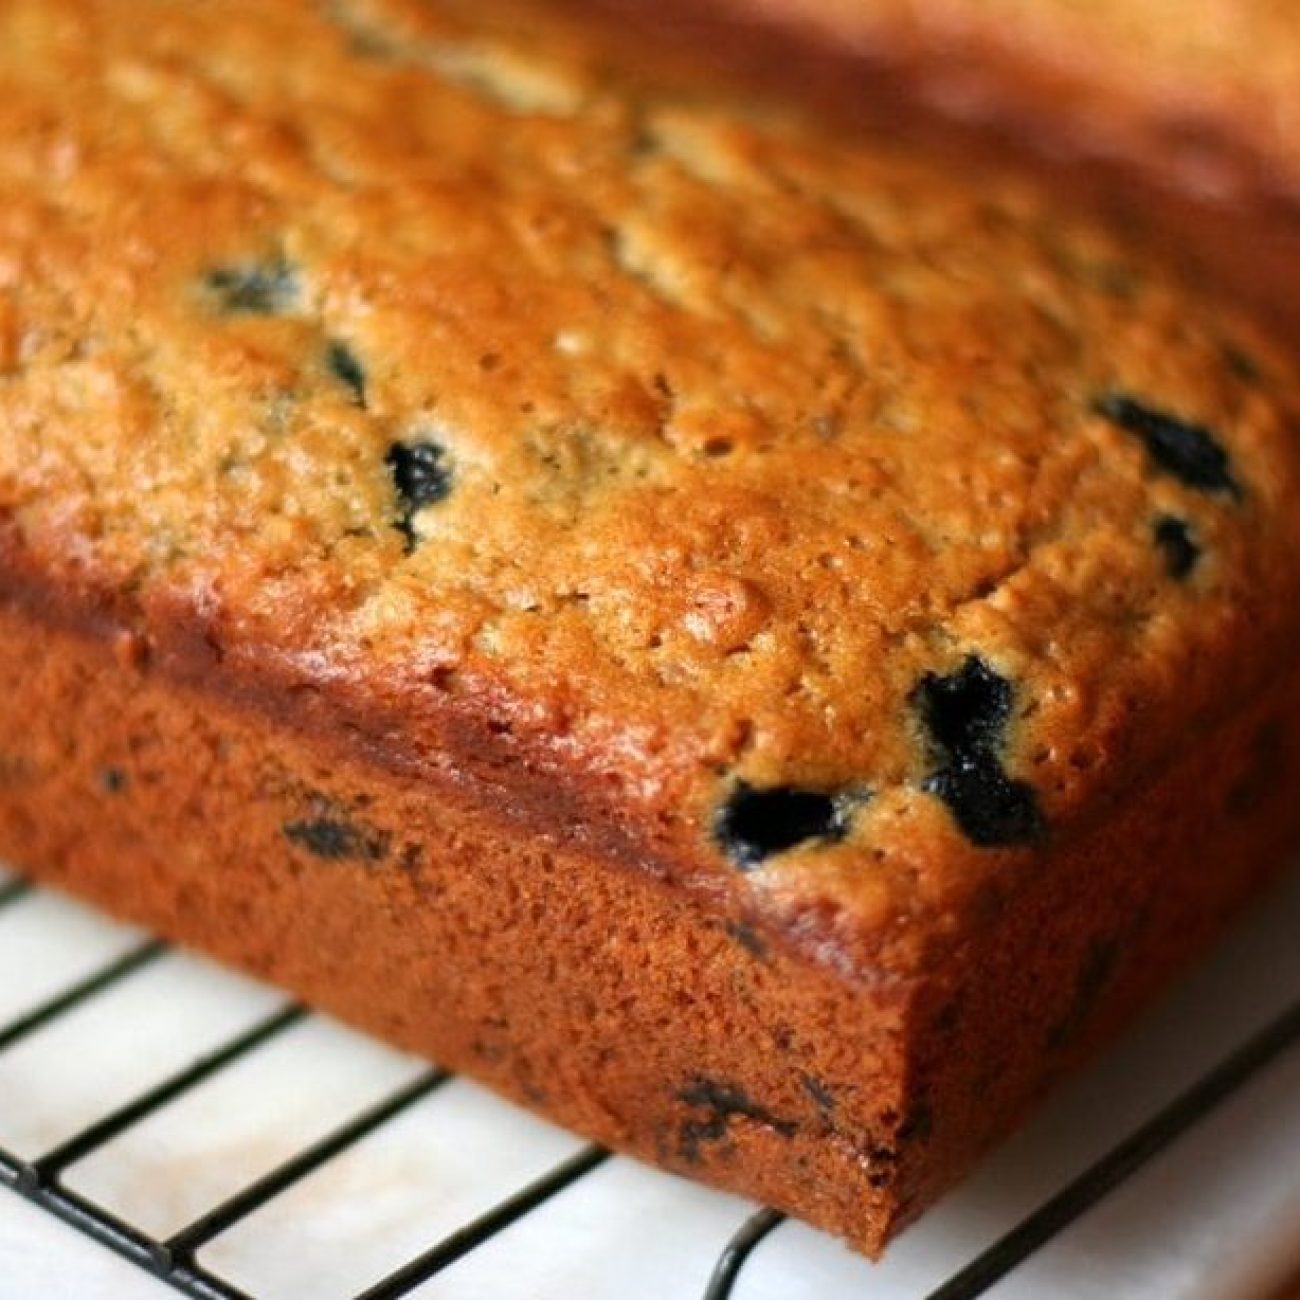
x,y
422,478
1174,538
725,1098
720,1103
345,367
336,840
967,710
757,824
254,289
992,809
1187,451
113,780
966,714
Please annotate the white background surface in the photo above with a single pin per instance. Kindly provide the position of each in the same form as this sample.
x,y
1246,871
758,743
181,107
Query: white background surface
x,y
1215,1218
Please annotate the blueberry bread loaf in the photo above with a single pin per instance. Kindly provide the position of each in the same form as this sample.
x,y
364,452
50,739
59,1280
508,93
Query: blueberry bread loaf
x,y
754,650
1206,92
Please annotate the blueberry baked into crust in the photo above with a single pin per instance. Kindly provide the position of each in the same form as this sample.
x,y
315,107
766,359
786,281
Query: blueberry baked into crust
x,y
746,646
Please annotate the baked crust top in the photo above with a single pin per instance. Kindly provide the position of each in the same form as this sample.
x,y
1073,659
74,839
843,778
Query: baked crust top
x,y
826,530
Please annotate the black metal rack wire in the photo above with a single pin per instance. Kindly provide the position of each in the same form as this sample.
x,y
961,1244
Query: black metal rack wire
x,y
174,1260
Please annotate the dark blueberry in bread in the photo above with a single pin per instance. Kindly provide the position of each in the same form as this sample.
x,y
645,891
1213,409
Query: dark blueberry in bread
x,y
757,824
720,1103
992,809
422,478
1187,451
345,367
966,715
724,1098
255,289
965,712
336,840
1174,538
112,780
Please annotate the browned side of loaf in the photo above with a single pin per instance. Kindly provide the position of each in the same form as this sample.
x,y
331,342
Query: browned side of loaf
x,y
588,990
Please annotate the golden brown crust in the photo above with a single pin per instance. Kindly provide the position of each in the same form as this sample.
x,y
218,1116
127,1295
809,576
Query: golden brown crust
x,y
768,528
749,432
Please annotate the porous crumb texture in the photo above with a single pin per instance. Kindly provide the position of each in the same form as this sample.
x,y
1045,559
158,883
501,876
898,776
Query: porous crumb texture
x,y
1203,92
790,536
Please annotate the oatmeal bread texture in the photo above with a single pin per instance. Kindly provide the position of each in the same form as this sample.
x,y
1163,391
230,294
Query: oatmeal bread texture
x,y
747,646
1205,91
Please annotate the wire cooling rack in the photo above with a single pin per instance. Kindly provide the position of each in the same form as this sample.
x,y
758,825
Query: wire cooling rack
x,y
240,1148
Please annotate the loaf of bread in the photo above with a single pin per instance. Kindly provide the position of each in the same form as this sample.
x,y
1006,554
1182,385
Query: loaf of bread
x,y
755,650
1206,92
